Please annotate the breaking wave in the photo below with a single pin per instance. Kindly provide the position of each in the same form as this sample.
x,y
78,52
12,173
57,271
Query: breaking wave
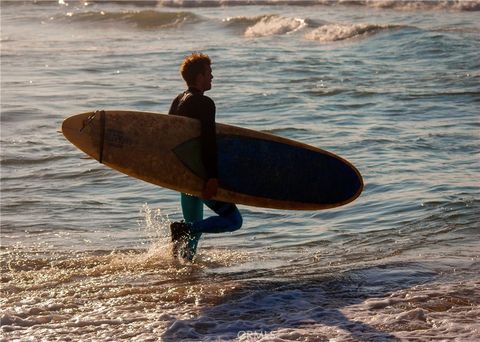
x,y
267,25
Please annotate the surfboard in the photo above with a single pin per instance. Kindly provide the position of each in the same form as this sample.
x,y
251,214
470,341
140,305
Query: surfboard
x,y
254,168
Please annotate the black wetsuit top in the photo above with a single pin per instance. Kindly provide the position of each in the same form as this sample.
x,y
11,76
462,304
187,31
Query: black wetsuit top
x,y
193,104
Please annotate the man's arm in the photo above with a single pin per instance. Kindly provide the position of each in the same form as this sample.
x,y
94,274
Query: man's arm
x,y
209,147
174,106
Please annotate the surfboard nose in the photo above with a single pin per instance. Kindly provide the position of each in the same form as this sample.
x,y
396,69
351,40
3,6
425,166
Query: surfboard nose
x,y
86,131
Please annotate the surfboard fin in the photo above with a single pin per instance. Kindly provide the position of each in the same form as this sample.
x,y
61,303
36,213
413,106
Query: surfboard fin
x,y
189,154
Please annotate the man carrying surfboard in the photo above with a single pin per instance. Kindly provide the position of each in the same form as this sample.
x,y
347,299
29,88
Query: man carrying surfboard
x,y
197,72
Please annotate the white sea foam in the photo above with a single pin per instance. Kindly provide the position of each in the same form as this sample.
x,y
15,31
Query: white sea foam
x,y
334,32
461,5
274,25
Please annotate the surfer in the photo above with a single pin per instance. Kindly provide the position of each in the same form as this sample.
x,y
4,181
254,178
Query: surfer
x,y
197,72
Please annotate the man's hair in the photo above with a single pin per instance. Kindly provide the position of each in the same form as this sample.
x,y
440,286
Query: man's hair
x,y
193,65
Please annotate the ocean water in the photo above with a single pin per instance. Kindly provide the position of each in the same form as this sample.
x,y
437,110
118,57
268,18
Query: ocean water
x,y
392,86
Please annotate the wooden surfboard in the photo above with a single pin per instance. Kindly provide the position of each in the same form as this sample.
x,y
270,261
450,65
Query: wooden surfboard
x,y
254,168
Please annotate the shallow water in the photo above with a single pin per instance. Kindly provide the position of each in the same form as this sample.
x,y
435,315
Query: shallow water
x,y
391,86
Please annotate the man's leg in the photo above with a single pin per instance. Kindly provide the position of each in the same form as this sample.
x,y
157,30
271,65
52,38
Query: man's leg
x,y
192,209
229,218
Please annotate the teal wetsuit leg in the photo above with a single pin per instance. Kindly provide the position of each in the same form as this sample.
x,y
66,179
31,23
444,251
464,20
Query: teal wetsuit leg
x,y
192,209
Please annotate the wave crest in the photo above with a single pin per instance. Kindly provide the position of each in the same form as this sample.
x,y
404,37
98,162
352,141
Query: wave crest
x,y
147,19
267,25
274,25
412,5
